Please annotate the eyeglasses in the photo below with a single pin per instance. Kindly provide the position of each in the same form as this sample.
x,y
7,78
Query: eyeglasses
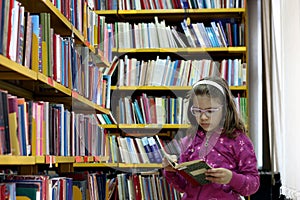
x,y
208,112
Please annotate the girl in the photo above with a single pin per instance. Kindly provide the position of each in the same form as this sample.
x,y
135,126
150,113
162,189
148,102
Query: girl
x,y
221,141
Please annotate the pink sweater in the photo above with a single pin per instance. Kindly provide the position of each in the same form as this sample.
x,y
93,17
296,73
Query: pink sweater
x,y
235,154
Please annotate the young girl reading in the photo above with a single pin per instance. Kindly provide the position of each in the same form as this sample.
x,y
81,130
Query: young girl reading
x,y
219,139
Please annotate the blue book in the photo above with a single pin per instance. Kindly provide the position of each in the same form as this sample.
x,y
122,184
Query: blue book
x,y
229,73
148,149
138,112
235,35
108,86
95,83
154,148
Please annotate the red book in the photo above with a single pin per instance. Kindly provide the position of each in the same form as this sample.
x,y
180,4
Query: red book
x,y
136,185
11,5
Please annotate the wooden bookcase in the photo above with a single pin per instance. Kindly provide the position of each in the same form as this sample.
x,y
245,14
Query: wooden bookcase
x,y
24,82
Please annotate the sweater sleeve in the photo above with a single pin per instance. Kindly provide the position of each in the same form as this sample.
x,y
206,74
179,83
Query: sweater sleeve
x,y
245,181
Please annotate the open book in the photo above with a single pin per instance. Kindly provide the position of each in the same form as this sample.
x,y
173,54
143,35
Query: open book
x,y
193,171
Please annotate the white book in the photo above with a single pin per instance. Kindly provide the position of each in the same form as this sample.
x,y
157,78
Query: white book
x,y
185,108
131,150
137,36
131,192
178,38
121,73
145,35
188,34
128,111
150,69
138,5
100,118
126,152
179,110
14,30
142,151
159,110
157,75
198,35
132,72
172,42
204,34
166,76
121,150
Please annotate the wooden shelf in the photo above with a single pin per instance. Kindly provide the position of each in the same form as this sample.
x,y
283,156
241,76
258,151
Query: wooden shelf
x,y
153,126
109,126
81,104
106,12
95,165
17,160
10,70
181,50
140,165
55,85
175,15
150,88
182,11
187,88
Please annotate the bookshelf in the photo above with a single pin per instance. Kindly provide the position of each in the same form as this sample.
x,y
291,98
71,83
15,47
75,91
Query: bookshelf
x,y
35,85
172,17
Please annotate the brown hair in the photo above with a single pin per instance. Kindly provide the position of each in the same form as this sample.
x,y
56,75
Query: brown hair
x,y
231,119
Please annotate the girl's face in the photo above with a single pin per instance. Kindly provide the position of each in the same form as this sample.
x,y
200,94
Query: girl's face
x,y
207,111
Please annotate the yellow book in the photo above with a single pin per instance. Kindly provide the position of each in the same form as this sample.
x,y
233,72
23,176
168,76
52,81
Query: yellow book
x,y
44,58
95,34
13,125
35,53
111,149
33,133
76,193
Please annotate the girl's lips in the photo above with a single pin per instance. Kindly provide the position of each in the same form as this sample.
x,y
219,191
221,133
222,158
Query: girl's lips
x,y
204,125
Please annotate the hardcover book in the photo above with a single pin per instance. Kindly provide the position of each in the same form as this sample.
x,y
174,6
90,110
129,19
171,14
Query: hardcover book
x,y
193,171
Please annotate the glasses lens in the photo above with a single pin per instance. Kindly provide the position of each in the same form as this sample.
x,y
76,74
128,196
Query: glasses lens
x,y
207,112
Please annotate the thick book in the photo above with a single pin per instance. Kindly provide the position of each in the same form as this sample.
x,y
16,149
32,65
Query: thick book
x,y
193,171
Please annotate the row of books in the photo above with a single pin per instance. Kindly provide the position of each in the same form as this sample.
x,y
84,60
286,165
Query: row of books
x,y
165,72
151,186
53,186
159,35
88,185
176,4
161,110
140,150
146,109
103,4
216,34
30,40
39,187
82,16
42,128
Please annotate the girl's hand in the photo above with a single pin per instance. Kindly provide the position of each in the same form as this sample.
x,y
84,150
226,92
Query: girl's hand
x,y
219,175
166,165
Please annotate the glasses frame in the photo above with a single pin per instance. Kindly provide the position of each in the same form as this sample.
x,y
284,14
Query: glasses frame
x,y
208,112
